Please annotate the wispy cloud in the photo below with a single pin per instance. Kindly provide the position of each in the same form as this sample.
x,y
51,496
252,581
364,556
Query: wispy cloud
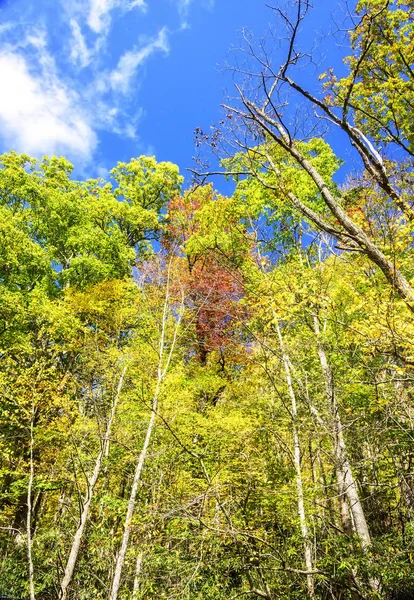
x,y
57,98
38,113
79,52
5,27
184,6
99,14
99,17
121,78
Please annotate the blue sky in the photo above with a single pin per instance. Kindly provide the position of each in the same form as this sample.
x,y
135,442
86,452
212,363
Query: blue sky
x,y
100,81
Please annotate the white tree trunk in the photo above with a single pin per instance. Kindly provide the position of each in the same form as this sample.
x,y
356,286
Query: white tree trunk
x,y
161,372
29,508
307,547
137,579
71,563
131,504
346,482
354,516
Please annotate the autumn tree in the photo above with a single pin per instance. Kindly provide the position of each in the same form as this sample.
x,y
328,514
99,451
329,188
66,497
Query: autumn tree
x,y
208,231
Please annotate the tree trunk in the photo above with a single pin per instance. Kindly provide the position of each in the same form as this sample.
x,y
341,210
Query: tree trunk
x,y
354,516
131,503
307,547
161,372
347,486
29,507
137,578
71,563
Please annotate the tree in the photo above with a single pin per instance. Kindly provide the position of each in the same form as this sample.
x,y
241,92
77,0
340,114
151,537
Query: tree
x,y
207,229
377,94
165,352
271,140
226,412
63,238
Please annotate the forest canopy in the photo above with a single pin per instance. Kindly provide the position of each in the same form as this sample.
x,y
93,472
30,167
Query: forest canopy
x,y
210,397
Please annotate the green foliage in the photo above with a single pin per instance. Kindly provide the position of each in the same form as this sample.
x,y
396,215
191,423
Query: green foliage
x,y
230,340
276,174
379,87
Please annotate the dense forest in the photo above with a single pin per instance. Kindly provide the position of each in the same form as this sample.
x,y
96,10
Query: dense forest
x,y
210,397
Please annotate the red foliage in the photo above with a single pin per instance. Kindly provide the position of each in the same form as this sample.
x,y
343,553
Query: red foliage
x,y
215,292
214,287
181,222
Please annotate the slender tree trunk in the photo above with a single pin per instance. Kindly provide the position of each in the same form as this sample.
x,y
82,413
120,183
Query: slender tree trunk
x,y
307,547
354,516
71,563
131,503
161,372
29,507
346,518
347,485
137,578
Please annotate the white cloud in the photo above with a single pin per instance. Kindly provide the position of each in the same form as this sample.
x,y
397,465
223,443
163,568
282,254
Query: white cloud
x,y
99,14
47,105
38,114
183,6
37,38
99,18
6,27
102,172
79,51
128,64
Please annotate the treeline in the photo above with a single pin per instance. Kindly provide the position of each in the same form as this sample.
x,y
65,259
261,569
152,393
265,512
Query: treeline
x,y
209,397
